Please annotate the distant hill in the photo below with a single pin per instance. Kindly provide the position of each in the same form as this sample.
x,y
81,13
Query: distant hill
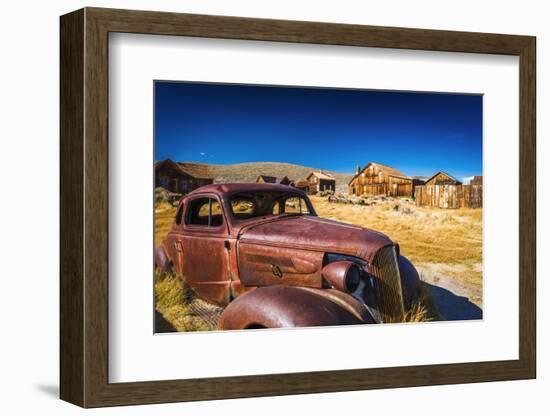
x,y
248,172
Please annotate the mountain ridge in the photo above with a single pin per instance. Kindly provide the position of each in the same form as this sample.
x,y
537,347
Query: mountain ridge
x,y
249,172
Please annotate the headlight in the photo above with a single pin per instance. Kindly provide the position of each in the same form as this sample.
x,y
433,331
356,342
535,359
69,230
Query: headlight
x,y
353,278
342,275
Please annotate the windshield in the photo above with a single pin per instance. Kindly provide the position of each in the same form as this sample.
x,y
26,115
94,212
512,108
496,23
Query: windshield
x,y
247,205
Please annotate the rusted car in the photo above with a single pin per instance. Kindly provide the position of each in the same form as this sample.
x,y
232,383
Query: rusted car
x,y
261,252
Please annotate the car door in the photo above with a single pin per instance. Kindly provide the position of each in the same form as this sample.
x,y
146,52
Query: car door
x,y
205,250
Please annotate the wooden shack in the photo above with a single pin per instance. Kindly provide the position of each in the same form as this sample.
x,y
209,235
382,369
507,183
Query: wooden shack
x,y
476,180
179,178
281,180
442,178
319,181
378,179
444,191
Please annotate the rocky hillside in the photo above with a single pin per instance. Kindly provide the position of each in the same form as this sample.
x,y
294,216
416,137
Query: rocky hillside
x,y
248,172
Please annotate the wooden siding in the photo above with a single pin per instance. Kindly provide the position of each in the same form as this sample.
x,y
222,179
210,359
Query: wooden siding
x,y
169,176
449,196
374,180
400,187
317,184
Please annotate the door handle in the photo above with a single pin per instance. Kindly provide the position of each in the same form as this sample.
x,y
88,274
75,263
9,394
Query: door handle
x,y
179,246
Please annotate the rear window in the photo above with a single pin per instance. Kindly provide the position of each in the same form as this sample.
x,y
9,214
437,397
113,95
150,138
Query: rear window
x,y
204,212
267,203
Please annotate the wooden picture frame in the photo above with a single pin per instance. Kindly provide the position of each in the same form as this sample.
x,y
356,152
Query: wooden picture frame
x,y
84,207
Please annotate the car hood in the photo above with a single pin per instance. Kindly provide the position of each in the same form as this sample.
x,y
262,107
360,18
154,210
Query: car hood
x,y
314,233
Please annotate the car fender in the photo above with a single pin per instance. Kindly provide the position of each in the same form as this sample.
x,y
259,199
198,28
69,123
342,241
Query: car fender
x,y
291,306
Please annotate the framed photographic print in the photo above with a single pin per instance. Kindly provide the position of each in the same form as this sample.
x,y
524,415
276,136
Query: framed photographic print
x,y
262,207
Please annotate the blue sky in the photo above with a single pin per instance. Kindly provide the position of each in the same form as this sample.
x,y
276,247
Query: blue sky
x,y
332,129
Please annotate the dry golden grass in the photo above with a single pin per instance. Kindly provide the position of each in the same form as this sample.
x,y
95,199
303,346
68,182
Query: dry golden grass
x,y
172,300
164,217
423,308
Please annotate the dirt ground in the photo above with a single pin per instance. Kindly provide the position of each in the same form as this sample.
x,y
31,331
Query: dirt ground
x,y
445,245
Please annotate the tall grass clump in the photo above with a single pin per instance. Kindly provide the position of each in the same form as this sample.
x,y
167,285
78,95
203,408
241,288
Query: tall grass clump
x,y
423,307
173,299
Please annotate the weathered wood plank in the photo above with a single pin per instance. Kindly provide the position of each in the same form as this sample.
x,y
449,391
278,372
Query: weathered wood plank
x,y
449,196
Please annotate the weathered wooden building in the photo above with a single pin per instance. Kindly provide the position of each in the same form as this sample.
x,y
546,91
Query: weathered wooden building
x,y
442,178
177,177
444,191
319,181
476,180
378,179
281,180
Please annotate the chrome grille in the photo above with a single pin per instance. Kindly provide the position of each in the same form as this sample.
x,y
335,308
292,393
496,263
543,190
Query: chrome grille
x,y
390,295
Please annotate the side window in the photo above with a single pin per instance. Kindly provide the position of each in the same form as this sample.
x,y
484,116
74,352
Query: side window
x,y
276,210
296,205
179,215
204,211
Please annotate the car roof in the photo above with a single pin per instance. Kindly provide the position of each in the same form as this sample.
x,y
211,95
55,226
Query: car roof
x,y
230,188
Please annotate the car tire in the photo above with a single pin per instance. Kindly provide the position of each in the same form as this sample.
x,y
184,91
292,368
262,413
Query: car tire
x,y
255,326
